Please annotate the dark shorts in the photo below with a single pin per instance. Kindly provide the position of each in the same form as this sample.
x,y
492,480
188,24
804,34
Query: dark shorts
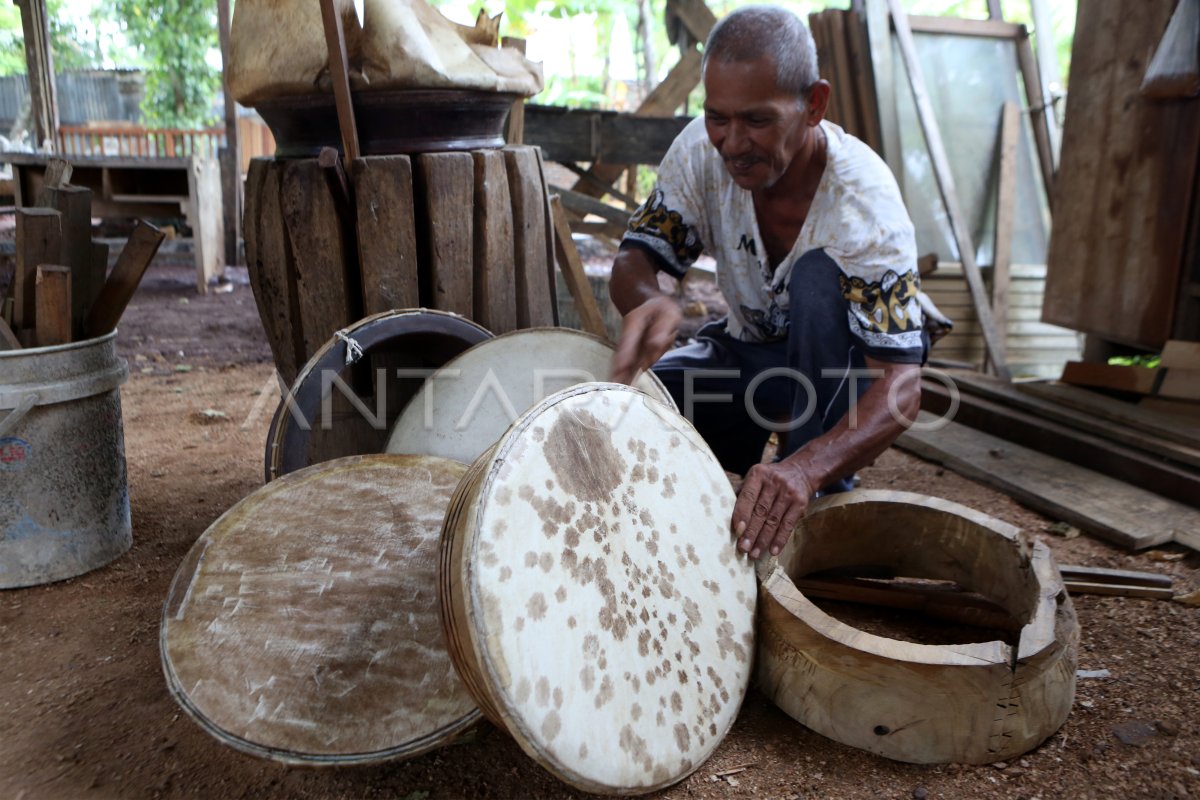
x,y
737,393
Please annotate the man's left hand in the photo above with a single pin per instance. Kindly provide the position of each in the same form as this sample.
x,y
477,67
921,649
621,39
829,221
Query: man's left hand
x,y
773,499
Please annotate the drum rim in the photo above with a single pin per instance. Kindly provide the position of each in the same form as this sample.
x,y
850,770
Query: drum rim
x,y
461,551
333,353
441,737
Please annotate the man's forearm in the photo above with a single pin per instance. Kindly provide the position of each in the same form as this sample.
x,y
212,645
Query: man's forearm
x,y
634,280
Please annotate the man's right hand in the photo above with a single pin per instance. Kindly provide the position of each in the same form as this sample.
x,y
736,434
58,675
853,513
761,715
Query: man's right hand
x,y
647,332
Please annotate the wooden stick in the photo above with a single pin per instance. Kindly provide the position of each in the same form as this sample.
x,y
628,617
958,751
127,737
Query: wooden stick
x,y
1006,196
1039,118
53,292
1083,587
8,340
946,186
339,70
118,290
572,272
1118,576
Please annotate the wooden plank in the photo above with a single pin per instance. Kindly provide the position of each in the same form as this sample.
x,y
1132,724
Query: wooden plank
x,y
534,298
818,25
1119,590
1096,504
75,205
118,290
514,126
1174,72
8,340
864,80
1133,415
1185,355
836,27
551,244
1047,59
39,62
495,298
53,290
447,187
1135,467
339,72
387,233
575,134
1011,395
1006,198
1128,577
583,204
268,260
1181,384
880,40
1038,118
697,17
230,156
39,241
206,219
573,274
319,253
961,26
946,187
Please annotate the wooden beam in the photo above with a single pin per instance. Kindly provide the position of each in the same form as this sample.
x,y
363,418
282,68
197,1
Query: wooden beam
x,y
118,290
573,274
495,300
8,340
514,126
1006,198
1047,59
696,16
994,10
39,241
231,159
1039,119
959,26
946,186
444,180
75,205
534,264
387,233
574,134
582,204
880,40
39,62
53,305
339,71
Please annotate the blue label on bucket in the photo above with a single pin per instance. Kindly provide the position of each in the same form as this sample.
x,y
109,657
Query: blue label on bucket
x,y
15,454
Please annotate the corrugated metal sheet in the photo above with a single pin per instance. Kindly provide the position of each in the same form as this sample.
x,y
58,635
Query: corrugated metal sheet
x,y
85,96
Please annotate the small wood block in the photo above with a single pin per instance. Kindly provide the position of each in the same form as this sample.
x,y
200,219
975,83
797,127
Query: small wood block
x,y
447,186
495,279
75,204
119,288
573,274
387,234
319,254
535,298
58,173
53,290
39,241
8,339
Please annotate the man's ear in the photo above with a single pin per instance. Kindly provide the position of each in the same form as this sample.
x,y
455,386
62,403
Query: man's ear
x,y
818,102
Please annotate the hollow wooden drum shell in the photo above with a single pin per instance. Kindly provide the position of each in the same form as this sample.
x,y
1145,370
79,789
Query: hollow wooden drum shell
x,y
594,601
304,624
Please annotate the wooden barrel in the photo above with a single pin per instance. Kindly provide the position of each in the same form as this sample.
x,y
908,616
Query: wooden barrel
x,y
594,602
466,405
465,232
972,703
348,396
315,637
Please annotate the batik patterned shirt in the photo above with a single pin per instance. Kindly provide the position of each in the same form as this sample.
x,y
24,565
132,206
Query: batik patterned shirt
x,y
857,217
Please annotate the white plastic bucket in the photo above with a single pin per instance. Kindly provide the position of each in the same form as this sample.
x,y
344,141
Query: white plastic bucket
x,y
64,496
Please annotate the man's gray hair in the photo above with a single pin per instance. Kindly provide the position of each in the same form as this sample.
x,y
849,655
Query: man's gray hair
x,y
762,31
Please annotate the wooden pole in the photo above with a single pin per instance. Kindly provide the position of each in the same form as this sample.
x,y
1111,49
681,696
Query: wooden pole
x,y
1038,116
1006,197
879,39
39,61
573,274
231,159
339,70
945,181
118,290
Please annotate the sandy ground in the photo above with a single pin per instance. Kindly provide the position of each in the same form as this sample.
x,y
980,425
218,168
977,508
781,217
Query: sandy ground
x,y
85,712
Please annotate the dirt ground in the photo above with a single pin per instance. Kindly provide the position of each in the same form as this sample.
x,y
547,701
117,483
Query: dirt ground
x,y
84,708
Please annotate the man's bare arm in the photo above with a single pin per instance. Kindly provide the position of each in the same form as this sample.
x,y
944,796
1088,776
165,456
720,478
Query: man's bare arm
x,y
774,497
651,318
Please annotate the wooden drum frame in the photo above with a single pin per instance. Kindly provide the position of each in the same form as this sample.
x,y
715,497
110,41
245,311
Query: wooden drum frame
x,y
969,703
593,599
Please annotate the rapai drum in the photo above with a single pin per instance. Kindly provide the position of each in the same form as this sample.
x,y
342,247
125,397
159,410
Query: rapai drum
x,y
465,407
594,602
318,421
304,625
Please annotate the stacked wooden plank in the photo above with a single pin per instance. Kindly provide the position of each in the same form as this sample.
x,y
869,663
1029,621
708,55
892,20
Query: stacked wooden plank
x,y
466,232
843,53
1112,469
61,290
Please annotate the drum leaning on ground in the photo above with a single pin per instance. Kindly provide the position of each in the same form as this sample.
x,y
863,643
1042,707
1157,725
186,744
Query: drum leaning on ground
x,y
304,625
466,406
594,602
317,421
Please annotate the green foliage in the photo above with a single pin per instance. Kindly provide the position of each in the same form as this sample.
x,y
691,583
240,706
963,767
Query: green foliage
x,y
174,37
1141,360
12,53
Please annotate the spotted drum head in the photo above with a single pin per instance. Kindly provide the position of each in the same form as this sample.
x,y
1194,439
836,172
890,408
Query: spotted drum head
x,y
601,609
304,625
468,404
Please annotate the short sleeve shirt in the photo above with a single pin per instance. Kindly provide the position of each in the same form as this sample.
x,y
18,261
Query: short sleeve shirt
x,y
857,217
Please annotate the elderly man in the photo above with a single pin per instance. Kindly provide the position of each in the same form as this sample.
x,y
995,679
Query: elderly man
x,y
816,258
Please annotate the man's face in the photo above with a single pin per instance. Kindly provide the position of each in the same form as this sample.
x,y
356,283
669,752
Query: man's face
x,y
756,128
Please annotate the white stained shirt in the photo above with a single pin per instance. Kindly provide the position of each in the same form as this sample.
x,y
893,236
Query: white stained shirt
x,y
857,217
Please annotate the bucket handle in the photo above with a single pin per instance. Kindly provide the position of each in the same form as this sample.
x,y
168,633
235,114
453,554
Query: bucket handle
x,y
10,421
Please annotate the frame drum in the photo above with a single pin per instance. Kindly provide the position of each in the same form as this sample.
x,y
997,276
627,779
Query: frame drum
x,y
316,422
594,602
304,625
465,407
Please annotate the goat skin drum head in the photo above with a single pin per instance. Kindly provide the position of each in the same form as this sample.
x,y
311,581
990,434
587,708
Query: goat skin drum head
x,y
465,406
598,598
304,625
